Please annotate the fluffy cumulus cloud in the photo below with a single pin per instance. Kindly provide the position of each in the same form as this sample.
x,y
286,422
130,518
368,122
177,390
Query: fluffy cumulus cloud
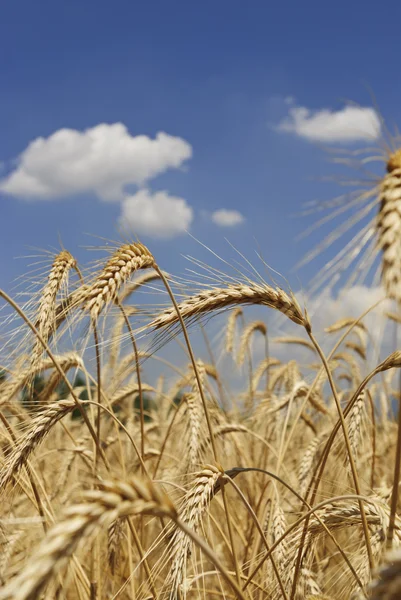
x,y
350,124
157,215
100,160
227,218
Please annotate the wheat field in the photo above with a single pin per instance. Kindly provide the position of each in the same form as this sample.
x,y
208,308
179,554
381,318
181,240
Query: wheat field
x,y
116,486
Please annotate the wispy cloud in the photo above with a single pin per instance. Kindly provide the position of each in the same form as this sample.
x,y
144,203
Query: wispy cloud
x,y
157,215
100,160
350,124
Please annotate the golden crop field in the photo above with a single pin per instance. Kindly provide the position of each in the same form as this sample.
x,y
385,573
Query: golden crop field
x,y
114,486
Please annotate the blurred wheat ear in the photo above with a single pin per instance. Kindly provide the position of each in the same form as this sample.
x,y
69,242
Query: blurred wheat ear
x,y
371,212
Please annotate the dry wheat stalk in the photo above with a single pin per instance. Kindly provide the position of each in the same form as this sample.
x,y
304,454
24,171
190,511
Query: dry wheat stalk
x,y
125,261
216,299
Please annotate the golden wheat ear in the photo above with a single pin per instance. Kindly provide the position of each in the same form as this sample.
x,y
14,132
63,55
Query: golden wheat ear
x,y
118,269
371,212
217,299
46,315
389,227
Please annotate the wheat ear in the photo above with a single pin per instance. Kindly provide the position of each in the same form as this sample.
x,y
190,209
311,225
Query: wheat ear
x,y
121,265
196,503
389,227
114,499
194,406
355,421
304,472
230,329
216,299
39,427
46,317
246,337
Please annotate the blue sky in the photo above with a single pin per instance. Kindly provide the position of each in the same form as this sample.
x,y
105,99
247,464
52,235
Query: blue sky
x,y
216,77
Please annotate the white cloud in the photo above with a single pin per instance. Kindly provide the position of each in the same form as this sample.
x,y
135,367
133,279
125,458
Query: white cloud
x,y
157,215
227,218
101,160
350,124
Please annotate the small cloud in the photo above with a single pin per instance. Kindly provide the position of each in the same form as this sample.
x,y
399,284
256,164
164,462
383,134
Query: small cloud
x,y
227,218
100,160
157,215
350,124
